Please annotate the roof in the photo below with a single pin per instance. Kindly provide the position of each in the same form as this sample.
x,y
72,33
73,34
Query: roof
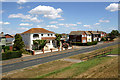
x,y
101,32
87,32
48,38
37,30
1,35
94,32
8,36
76,32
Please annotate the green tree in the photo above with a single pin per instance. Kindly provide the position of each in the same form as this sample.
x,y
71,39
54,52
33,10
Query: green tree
x,y
58,37
115,32
39,44
18,43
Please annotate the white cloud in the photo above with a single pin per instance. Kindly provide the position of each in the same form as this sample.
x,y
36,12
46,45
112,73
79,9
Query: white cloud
x,y
2,0
20,7
52,26
61,19
67,25
53,22
4,23
1,11
97,24
112,7
25,17
106,21
47,11
23,28
25,24
88,26
21,1
79,23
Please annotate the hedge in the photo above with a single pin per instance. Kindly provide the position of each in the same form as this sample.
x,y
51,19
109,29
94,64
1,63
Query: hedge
x,y
11,54
5,48
82,44
91,43
77,43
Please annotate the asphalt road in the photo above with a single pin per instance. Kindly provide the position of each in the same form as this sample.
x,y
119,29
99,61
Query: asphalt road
x,y
24,64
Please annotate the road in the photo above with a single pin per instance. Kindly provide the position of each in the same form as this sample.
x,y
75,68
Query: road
x,y
24,64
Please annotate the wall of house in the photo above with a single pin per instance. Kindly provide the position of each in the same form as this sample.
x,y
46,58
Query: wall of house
x,y
84,38
75,38
26,40
50,45
89,38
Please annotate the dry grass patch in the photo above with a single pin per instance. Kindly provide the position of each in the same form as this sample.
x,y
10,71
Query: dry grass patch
x,y
32,72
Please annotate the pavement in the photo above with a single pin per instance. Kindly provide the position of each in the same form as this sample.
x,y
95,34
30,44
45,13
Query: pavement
x,y
43,58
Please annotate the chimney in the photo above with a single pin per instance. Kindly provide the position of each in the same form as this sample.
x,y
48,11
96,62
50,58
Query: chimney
x,y
2,33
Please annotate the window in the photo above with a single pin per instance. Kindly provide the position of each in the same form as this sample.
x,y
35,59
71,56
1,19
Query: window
x,y
41,34
35,35
84,41
51,34
48,34
82,35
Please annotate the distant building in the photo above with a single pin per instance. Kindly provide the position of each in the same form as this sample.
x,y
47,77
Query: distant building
x,y
38,34
78,36
95,36
9,39
2,39
89,36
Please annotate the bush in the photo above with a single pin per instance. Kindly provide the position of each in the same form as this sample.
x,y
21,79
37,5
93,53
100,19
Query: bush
x,y
77,43
23,51
91,43
65,45
11,54
103,39
6,48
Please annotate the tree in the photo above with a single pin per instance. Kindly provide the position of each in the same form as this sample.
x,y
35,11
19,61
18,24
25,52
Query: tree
x,y
39,44
58,37
18,43
115,32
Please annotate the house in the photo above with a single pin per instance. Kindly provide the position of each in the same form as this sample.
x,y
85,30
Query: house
x,y
89,36
95,36
102,34
65,37
78,36
2,39
9,39
38,34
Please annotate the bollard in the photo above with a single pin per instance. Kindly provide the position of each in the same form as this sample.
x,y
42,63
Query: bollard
x,y
43,50
62,48
33,53
72,47
51,49
58,48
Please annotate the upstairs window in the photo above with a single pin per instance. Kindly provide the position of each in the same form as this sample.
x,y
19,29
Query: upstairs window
x,y
35,35
48,34
51,34
41,34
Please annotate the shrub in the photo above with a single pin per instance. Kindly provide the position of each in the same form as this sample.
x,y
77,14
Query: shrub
x,y
77,43
91,43
23,51
11,54
103,39
65,45
6,48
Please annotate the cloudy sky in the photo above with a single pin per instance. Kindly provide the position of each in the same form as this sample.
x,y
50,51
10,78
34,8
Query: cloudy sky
x,y
60,17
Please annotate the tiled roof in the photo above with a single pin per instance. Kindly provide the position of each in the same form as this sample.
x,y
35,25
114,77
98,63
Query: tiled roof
x,y
87,32
37,30
8,36
48,38
76,32
94,32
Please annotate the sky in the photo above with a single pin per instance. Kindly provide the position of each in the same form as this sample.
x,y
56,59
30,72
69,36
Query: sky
x,y
59,17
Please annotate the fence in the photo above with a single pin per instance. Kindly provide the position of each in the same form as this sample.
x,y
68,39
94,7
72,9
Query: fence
x,y
96,54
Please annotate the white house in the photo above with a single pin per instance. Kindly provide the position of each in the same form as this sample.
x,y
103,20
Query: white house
x,y
38,34
89,36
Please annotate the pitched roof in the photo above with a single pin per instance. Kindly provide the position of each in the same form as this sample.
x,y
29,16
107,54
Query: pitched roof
x,y
76,32
94,32
37,30
87,32
8,36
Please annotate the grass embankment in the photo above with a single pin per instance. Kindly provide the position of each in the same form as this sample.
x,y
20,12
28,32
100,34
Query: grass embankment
x,y
75,69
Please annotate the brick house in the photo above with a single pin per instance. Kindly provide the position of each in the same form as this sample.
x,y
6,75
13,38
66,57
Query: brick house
x,y
78,36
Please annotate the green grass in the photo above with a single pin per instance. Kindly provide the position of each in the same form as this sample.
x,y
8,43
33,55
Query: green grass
x,y
116,51
78,67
